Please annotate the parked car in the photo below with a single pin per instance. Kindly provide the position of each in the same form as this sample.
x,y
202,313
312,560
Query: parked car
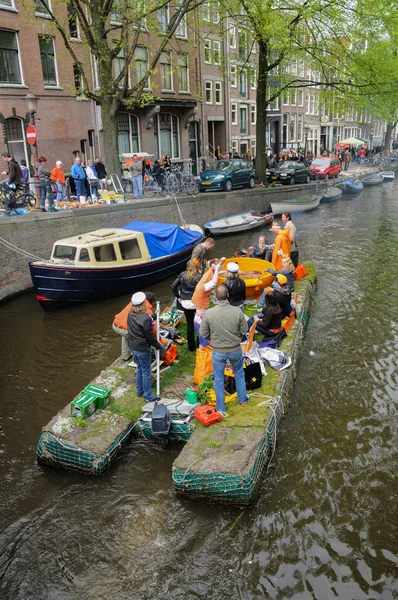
x,y
227,174
323,167
290,171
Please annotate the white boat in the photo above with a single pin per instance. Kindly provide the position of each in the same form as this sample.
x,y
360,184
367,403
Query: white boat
x,y
388,175
239,222
295,205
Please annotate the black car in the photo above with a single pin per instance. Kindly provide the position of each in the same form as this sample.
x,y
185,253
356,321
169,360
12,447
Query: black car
x,y
290,171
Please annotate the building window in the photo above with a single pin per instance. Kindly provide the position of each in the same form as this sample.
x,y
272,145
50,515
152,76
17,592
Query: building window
x,y
232,76
234,114
206,11
243,44
116,14
73,24
307,103
285,97
127,133
232,36
119,63
253,114
218,92
165,71
77,76
299,127
6,3
141,64
207,51
183,71
48,60
235,145
293,66
243,84
253,148
215,12
163,18
138,10
181,30
300,68
10,71
253,78
166,135
292,127
312,104
243,119
284,131
209,92
217,52
300,98
40,8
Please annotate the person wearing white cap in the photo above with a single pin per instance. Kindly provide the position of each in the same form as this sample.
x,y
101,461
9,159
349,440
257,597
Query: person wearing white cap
x,y
140,339
236,286
58,176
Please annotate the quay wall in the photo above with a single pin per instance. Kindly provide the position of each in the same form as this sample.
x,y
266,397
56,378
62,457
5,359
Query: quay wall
x,y
37,232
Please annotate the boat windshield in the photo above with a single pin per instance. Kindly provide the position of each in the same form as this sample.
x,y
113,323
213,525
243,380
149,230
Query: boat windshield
x,y
321,162
65,252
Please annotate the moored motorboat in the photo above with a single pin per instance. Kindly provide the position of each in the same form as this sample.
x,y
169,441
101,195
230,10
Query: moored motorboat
x,y
388,176
110,262
254,272
295,205
373,180
239,222
331,194
350,186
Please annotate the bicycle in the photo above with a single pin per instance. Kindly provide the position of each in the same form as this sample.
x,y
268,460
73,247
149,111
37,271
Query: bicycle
x,y
18,200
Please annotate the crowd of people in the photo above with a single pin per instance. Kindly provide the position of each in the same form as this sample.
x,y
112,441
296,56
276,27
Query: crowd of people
x,y
224,325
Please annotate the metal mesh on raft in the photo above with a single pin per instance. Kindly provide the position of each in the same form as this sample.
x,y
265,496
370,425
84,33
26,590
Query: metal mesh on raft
x,y
54,451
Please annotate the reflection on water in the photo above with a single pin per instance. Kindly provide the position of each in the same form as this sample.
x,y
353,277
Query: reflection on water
x,y
325,525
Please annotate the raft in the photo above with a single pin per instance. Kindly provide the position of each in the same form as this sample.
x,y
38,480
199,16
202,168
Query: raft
x,y
253,271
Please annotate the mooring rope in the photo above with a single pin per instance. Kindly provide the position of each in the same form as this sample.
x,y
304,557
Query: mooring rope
x,y
174,197
24,253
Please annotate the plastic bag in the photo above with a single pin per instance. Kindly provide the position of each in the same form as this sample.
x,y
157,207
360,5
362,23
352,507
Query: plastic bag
x,y
275,358
204,364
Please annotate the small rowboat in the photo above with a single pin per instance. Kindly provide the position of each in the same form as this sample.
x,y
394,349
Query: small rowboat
x,y
373,180
254,273
296,205
350,186
331,195
239,222
388,175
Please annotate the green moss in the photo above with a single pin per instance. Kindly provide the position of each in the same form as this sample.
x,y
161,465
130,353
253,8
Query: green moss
x,y
80,422
213,444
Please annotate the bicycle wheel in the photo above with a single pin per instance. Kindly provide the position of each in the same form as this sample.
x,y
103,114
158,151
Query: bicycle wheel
x,y
192,187
150,188
28,202
171,184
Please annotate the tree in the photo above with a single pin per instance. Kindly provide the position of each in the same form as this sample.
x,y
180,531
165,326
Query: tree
x,y
111,31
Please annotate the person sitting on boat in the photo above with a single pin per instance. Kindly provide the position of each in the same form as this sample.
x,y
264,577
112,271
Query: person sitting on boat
x,y
259,250
294,253
283,295
236,286
224,325
281,247
269,321
120,326
199,252
183,288
140,340
288,270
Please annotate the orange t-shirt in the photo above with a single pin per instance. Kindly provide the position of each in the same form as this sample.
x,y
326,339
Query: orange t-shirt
x,y
121,318
57,174
282,242
201,298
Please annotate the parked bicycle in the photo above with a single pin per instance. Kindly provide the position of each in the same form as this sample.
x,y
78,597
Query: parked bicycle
x,y
20,201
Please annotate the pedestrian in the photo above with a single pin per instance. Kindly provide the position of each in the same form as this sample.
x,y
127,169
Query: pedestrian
x,y
347,158
25,172
362,154
58,176
183,289
45,185
236,286
136,176
199,252
140,340
224,325
101,172
14,176
92,176
79,177
294,253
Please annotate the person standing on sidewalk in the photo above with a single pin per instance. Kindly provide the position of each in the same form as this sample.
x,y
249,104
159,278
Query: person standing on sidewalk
x,y
79,176
136,176
347,158
101,172
58,176
45,185
224,325
92,177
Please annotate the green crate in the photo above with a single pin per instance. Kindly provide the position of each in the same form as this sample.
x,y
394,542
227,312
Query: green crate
x,y
84,406
102,395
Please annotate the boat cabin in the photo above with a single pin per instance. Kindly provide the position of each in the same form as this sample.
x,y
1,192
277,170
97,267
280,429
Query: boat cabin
x,y
104,247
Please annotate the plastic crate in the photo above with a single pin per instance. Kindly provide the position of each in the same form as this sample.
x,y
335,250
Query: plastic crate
x,y
84,406
102,395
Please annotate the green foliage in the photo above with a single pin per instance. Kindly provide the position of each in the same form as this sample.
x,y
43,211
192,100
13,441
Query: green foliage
x,y
205,386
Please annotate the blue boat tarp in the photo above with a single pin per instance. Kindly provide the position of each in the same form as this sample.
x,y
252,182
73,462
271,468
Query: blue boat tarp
x,y
163,239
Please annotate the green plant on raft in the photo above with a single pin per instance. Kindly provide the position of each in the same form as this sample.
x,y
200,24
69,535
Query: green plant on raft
x,y
213,444
205,386
80,422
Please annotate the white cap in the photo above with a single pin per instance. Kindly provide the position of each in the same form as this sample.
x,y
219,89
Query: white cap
x,y
233,267
138,298
59,162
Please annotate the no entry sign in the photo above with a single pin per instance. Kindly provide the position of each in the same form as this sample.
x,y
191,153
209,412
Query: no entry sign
x,y
31,135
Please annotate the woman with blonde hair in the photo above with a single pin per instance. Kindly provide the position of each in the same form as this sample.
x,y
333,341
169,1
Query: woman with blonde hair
x,y
288,269
183,288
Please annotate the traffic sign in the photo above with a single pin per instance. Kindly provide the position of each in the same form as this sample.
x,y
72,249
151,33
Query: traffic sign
x,y
31,134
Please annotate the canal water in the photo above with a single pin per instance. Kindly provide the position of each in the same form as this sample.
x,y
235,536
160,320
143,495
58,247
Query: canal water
x,y
325,524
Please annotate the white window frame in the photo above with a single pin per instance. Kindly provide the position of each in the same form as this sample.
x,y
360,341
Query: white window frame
x,y
233,76
77,38
312,104
130,130
285,96
300,121
218,90
253,114
9,84
293,97
243,108
215,16
181,31
207,50
293,66
46,85
216,52
293,119
234,111
171,88
188,90
209,88
206,11
148,85
243,74
122,58
253,142
235,147
114,21
307,104
10,7
232,36
43,15
300,68
300,98
253,78
161,32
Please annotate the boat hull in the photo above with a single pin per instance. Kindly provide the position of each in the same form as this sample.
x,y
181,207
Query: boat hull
x,y
373,181
232,224
59,286
331,195
255,284
387,176
350,187
294,206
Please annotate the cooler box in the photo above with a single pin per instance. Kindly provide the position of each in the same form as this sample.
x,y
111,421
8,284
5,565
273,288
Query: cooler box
x,y
102,395
207,415
83,406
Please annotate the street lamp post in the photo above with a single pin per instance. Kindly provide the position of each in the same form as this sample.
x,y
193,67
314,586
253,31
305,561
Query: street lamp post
x,y
31,107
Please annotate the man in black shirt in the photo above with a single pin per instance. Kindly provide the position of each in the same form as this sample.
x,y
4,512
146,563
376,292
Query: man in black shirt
x,y
14,177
